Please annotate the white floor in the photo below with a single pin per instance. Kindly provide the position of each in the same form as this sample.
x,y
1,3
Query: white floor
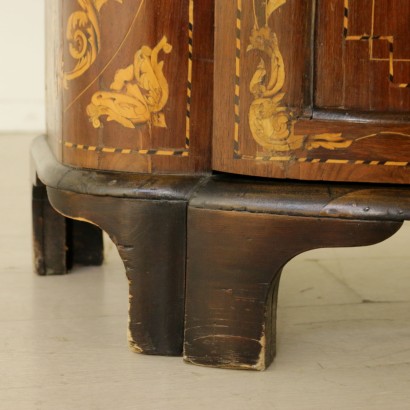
x,y
343,330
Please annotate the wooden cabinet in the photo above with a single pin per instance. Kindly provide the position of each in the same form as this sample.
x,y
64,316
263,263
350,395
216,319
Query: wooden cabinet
x,y
301,89
315,90
287,89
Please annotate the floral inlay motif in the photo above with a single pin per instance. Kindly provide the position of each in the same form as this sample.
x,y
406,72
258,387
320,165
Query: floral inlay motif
x,y
138,93
270,121
84,37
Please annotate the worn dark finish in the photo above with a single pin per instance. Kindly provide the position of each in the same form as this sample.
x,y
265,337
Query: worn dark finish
x,y
60,243
150,237
312,199
84,244
145,216
102,183
240,236
49,235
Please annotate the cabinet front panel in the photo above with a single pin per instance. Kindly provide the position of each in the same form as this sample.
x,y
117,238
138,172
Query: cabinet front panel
x,y
135,78
313,90
371,64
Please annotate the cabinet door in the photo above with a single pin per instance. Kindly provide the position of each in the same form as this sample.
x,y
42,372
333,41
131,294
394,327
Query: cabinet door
x,y
131,84
315,90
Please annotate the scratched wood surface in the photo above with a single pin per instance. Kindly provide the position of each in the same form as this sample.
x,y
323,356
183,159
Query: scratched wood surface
x,y
130,84
60,243
150,238
316,93
232,296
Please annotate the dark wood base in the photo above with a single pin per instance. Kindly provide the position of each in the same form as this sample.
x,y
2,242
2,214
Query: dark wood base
x,y
150,238
145,216
239,236
238,244
60,243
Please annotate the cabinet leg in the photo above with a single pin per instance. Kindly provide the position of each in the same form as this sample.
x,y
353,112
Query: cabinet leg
x,y
59,243
150,237
235,260
84,243
49,235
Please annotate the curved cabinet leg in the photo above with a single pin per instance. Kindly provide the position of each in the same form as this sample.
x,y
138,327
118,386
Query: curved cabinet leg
x,y
150,237
84,243
59,243
234,264
49,235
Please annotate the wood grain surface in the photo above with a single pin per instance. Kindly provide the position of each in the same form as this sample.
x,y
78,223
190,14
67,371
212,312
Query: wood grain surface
x,y
313,90
232,283
151,239
144,215
133,84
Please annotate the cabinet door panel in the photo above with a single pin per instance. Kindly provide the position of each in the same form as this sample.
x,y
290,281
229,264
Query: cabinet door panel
x,y
366,54
313,89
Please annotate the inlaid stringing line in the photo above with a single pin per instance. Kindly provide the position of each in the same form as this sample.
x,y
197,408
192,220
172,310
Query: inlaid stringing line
x,y
114,150
238,30
189,84
326,161
370,38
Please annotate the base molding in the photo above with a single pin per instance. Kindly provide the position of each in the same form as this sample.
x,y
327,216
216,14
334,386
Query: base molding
x,y
203,255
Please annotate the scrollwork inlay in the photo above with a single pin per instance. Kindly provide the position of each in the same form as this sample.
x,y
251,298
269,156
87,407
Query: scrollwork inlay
x,y
270,121
84,37
138,93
